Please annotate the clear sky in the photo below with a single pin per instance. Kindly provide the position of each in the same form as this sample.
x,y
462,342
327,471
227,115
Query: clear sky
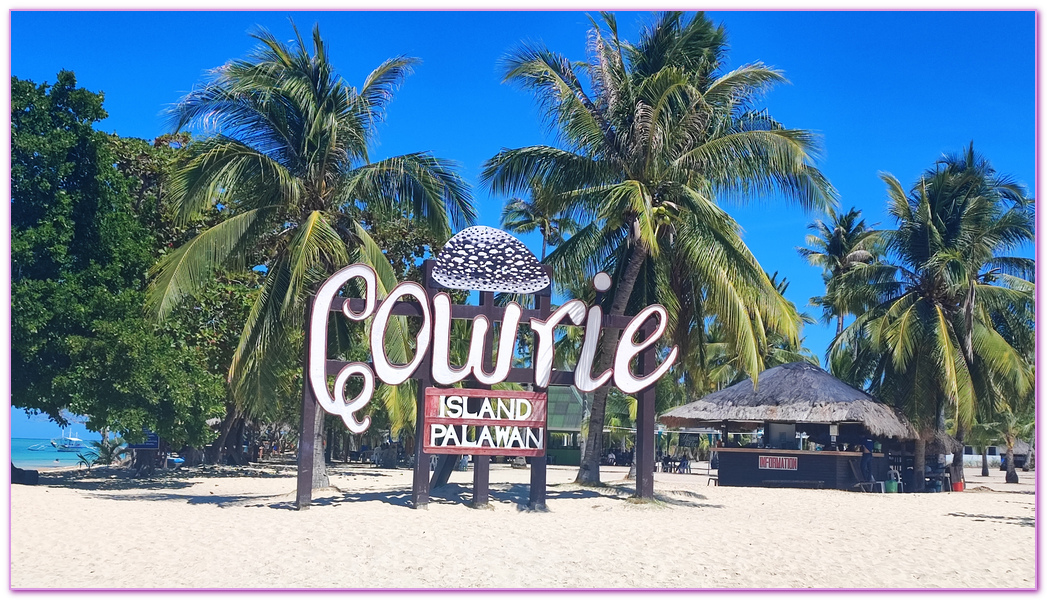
x,y
888,91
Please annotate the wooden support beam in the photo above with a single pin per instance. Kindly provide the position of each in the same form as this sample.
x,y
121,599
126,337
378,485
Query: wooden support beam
x,y
407,308
444,465
482,462
481,480
423,379
420,484
516,375
539,471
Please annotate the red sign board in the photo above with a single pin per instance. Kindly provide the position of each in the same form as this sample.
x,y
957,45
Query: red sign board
x,y
778,463
493,422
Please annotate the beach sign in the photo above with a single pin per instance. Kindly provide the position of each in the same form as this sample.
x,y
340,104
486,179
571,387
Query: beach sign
x,y
475,419
503,423
152,442
433,339
778,463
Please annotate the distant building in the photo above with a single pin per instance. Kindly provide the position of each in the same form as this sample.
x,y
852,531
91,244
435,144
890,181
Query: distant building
x,y
972,455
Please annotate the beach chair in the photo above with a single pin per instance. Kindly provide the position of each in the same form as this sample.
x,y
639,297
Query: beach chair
x,y
865,486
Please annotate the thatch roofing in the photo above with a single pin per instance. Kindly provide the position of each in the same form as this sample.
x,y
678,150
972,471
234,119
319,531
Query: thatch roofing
x,y
1020,447
797,392
943,443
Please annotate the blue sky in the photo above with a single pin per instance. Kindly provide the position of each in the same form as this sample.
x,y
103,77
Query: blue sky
x,y
887,91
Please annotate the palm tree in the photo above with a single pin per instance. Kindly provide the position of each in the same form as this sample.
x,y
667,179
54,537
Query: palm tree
x,y
654,139
107,451
288,161
539,213
1012,426
948,327
836,247
721,364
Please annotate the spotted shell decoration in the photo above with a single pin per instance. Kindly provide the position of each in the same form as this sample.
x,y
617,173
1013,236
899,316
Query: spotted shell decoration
x,y
486,259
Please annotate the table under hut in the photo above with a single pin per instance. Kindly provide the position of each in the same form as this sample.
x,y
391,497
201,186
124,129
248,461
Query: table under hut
x,y
813,429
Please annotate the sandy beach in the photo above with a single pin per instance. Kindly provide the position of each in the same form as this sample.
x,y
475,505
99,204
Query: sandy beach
x,y
225,527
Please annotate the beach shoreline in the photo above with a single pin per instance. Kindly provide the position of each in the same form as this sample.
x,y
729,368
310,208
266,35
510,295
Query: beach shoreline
x,y
227,527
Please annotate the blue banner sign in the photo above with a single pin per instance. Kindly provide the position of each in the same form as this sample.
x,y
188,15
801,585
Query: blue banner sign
x,y
152,442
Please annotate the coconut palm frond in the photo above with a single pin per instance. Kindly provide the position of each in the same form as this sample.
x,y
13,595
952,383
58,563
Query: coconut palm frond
x,y
188,268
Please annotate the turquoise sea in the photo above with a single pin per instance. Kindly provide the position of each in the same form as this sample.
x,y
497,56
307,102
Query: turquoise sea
x,y
24,458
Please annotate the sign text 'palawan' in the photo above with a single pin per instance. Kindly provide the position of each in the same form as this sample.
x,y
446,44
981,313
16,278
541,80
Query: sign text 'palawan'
x,y
502,422
435,333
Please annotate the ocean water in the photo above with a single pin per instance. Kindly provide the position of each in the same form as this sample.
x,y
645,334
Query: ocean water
x,y
24,458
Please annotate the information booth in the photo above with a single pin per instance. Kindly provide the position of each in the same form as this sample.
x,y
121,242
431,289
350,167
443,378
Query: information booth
x,y
800,427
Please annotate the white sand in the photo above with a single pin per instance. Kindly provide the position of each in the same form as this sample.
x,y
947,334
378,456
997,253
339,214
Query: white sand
x,y
215,529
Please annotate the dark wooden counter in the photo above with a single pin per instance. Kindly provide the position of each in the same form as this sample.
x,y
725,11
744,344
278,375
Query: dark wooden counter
x,y
770,467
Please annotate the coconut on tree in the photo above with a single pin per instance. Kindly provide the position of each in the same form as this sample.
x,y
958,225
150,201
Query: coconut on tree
x,y
288,158
654,137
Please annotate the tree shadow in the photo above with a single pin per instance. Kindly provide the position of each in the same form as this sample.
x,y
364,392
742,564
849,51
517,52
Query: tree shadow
x,y
450,494
685,498
1020,521
116,483
518,494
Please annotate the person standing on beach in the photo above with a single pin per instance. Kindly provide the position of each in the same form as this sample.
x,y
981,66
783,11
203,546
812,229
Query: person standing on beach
x,y
867,448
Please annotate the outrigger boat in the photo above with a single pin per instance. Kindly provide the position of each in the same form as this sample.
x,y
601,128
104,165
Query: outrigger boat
x,y
68,443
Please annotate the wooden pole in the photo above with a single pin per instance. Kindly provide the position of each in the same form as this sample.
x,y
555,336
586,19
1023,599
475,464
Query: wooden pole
x,y
424,379
482,462
481,480
420,487
539,472
306,439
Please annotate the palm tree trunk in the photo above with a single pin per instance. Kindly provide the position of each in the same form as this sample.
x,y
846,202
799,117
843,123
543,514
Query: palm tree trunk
x,y
985,461
589,471
968,326
235,441
957,457
919,461
1012,474
839,324
968,356
214,455
320,479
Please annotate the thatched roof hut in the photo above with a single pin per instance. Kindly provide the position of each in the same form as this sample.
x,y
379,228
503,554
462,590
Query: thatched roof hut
x,y
797,392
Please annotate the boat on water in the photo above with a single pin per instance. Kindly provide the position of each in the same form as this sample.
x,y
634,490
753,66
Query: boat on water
x,y
68,443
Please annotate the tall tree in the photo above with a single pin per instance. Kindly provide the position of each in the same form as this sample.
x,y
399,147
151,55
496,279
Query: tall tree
x,y
288,159
542,212
836,247
81,242
653,139
944,331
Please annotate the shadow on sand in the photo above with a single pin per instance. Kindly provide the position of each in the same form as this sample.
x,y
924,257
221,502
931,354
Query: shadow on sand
x,y
1020,521
165,485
